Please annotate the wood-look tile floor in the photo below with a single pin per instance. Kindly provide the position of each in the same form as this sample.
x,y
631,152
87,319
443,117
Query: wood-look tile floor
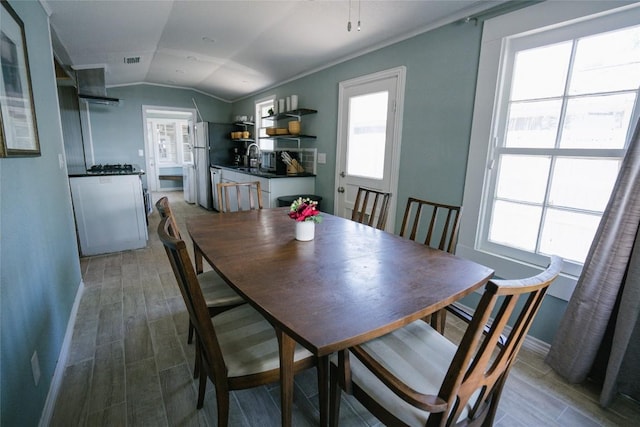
x,y
130,365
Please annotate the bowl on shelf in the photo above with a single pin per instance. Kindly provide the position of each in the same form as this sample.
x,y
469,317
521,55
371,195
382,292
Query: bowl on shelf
x,y
282,131
294,127
271,131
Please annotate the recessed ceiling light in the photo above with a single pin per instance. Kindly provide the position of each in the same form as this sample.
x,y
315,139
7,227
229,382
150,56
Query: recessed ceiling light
x,y
208,39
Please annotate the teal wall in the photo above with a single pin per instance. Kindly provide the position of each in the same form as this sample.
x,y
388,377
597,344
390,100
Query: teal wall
x,y
118,131
39,263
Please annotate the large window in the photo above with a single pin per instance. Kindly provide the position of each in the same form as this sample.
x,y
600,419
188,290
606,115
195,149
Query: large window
x,y
566,103
560,140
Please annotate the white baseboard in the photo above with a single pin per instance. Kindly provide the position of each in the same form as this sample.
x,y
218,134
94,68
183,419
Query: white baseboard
x,y
56,381
536,345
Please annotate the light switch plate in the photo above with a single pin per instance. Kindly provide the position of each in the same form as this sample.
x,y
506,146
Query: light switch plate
x,y
61,161
141,153
322,158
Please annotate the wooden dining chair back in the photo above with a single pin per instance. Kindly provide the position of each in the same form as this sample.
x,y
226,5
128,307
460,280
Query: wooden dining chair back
x,y
218,295
415,376
238,196
371,208
437,222
436,225
239,348
164,209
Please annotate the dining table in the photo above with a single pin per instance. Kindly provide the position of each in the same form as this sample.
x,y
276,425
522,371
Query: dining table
x,y
348,285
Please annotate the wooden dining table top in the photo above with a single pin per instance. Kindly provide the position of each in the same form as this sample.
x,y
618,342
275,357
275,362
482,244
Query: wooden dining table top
x,y
351,283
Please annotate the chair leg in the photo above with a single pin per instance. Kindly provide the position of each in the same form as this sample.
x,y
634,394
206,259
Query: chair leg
x,y
202,387
222,397
334,397
438,320
495,399
190,337
197,361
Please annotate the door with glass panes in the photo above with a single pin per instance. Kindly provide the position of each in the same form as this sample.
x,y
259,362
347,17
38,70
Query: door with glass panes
x,y
368,138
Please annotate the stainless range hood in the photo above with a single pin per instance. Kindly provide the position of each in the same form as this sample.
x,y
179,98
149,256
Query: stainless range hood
x,y
91,87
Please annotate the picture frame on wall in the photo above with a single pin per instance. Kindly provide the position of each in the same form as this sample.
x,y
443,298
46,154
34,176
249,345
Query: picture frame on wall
x,y
18,130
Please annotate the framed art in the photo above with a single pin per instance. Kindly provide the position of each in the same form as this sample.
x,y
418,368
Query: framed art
x,y
18,130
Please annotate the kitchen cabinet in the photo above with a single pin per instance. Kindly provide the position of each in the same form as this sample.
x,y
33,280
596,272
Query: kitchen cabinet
x,y
109,212
271,187
284,119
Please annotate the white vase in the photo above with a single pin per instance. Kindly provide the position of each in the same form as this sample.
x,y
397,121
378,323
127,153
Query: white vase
x,y
305,230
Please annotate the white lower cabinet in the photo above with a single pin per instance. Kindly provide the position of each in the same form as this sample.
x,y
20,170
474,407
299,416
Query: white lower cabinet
x,y
109,212
272,188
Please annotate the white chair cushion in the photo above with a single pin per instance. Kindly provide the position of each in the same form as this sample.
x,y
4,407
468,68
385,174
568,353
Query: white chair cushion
x,y
248,342
216,292
416,354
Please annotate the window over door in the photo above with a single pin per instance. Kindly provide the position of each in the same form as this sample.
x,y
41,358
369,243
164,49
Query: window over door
x,y
367,135
565,107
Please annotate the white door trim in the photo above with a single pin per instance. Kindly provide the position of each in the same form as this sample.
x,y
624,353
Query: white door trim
x,y
400,74
153,183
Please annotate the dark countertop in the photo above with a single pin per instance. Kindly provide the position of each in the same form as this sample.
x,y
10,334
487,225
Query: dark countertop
x,y
77,172
262,173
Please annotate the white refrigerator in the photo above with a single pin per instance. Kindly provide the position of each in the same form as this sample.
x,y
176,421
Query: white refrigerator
x,y
212,146
188,183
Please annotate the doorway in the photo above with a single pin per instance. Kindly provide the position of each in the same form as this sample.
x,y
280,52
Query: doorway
x,y
370,110
168,134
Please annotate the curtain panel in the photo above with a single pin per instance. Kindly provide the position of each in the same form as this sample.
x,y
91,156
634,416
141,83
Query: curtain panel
x,y
611,274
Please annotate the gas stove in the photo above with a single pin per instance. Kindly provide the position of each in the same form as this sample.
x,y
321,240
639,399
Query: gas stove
x,y
113,169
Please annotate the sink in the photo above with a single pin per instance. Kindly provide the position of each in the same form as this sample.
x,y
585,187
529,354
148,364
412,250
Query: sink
x,y
254,171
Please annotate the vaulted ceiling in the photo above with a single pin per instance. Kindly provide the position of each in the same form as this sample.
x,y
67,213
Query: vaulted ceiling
x,y
231,49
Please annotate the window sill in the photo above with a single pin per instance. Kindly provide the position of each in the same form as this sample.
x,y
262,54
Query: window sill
x,y
509,268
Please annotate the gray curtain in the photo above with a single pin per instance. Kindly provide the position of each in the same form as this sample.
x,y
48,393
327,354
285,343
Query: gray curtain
x,y
602,314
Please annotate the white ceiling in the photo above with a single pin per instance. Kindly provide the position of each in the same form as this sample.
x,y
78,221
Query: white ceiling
x,y
231,49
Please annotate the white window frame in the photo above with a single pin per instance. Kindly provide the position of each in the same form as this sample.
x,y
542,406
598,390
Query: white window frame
x,y
259,125
497,34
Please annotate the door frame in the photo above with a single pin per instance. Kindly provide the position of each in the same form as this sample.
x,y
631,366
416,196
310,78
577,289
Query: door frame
x,y
399,73
150,150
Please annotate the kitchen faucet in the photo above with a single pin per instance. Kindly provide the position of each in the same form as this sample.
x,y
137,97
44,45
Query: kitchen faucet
x,y
257,163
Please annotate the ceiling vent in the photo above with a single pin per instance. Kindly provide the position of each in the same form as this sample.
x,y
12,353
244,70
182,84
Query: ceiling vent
x,y
91,87
131,60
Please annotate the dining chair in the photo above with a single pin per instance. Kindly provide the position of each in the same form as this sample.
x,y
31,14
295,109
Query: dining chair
x,y
164,209
415,376
218,295
246,194
239,347
371,207
439,224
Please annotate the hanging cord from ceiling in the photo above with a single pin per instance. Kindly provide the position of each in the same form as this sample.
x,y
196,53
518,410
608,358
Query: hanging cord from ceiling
x,y
349,21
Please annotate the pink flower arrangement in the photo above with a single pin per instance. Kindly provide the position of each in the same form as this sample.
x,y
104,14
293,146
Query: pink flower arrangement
x,y
305,210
